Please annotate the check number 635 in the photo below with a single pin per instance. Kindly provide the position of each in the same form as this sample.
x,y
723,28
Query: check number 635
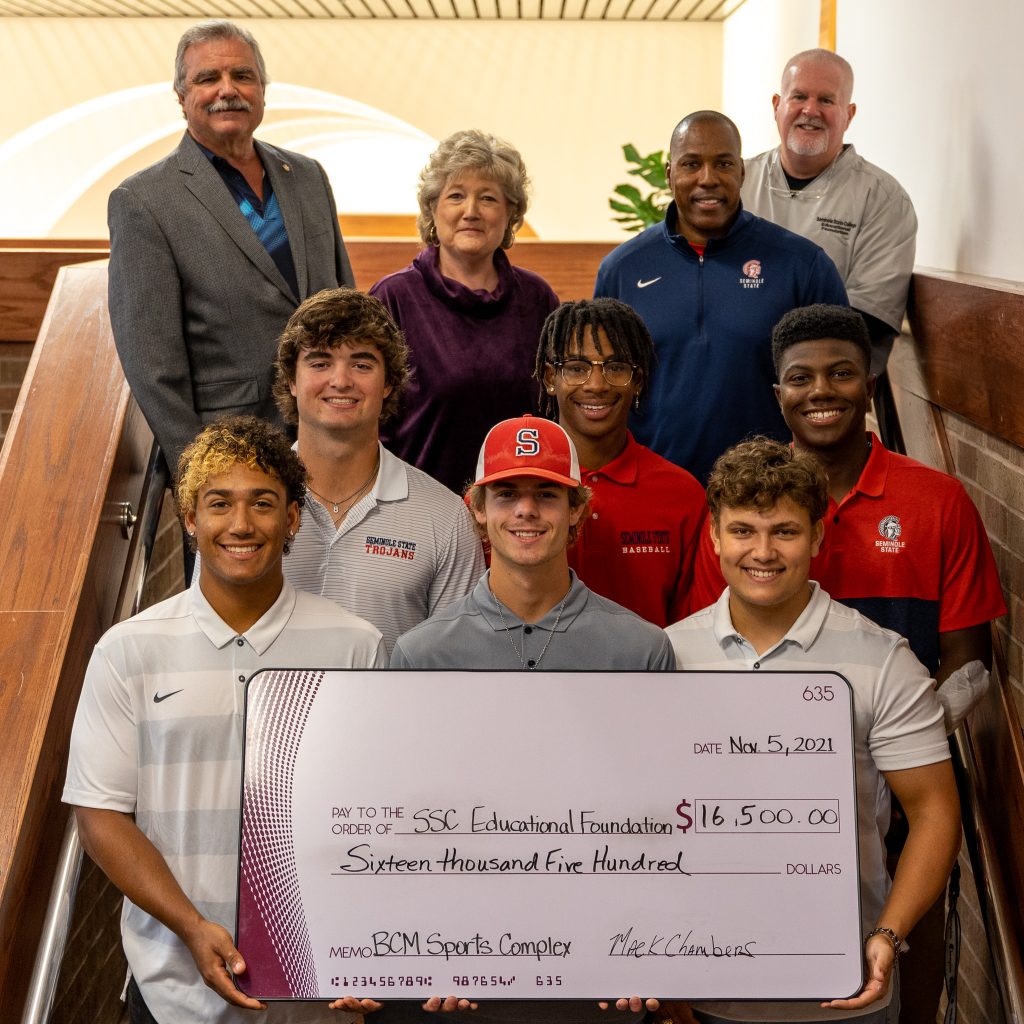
x,y
817,693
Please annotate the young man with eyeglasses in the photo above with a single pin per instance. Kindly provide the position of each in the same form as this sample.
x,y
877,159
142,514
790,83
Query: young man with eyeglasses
x,y
636,543
817,185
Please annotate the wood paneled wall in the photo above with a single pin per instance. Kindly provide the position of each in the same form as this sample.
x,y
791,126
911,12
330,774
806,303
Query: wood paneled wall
x,y
969,348
26,281
27,272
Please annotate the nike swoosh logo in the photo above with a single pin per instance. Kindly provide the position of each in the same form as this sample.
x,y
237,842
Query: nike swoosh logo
x,y
158,697
644,284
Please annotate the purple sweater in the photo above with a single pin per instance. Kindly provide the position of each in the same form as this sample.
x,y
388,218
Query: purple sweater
x,y
472,355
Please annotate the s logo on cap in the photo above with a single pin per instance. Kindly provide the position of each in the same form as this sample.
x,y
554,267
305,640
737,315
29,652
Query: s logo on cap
x,y
527,442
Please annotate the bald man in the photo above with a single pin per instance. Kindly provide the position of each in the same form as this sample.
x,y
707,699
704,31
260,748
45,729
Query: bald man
x,y
815,184
711,281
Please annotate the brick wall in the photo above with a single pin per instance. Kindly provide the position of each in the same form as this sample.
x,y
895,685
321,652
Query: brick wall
x,y
93,970
166,568
978,999
14,357
992,470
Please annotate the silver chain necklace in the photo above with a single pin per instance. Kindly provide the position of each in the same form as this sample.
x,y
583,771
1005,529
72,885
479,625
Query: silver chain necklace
x,y
336,505
521,655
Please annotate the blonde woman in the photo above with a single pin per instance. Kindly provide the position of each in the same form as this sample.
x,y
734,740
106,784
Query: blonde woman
x,y
471,319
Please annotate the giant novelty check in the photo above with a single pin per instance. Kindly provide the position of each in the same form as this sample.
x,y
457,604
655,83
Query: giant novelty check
x,y
539,835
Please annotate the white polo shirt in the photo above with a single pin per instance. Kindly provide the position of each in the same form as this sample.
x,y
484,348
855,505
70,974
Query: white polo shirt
x,y
897,725
158,733
403,552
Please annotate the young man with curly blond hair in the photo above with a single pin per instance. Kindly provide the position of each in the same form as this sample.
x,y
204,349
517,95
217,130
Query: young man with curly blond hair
x,y
155,764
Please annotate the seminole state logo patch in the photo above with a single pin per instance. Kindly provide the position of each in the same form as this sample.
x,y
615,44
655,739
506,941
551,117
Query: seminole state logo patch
x,y
752,277
890,529
388,547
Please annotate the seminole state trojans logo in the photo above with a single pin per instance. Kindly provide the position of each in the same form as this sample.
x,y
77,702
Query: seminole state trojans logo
x,y
527,441
890,528
751,275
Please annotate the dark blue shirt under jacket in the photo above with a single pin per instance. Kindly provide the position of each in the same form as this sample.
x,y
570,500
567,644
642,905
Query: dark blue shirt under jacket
x,y
711,318
264,215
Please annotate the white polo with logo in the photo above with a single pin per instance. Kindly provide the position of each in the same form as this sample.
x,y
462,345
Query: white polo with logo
x,y
158,734
404,552
897,724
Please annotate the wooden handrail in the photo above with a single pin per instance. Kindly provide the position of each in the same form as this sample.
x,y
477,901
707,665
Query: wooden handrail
x,y
28,270
77,447
969,353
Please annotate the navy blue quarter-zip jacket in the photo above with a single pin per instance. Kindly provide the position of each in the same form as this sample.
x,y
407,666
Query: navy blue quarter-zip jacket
x,y
711,318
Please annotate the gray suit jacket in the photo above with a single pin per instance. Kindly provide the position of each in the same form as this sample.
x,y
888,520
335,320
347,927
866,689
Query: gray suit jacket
x,y
196,302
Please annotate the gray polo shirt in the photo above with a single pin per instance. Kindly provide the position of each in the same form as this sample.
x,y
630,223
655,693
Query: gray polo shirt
x,y
857,213
592,633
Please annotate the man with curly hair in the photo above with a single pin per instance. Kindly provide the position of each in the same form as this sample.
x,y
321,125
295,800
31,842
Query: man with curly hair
x,y
156,748
380,537
768,502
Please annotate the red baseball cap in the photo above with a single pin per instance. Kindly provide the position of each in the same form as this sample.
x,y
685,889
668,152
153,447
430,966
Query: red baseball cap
x,y
528,446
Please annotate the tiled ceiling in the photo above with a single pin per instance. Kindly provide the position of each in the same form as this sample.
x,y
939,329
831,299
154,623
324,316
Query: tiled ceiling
x,y
553,10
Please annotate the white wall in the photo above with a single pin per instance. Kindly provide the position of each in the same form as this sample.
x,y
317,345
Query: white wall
x,y
937,92
567,94
938,95
757,40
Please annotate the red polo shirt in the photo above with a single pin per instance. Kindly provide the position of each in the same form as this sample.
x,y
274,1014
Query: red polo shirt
x,y
906,547
637,545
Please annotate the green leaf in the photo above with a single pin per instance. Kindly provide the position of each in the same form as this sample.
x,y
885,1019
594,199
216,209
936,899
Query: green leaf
x,y
654,176
640,210
631,192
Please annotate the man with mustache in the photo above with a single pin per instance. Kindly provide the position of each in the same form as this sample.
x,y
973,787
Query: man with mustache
x,y
213,248
817,185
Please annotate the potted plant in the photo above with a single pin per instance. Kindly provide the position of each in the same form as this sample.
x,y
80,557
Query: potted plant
x,y
638,210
